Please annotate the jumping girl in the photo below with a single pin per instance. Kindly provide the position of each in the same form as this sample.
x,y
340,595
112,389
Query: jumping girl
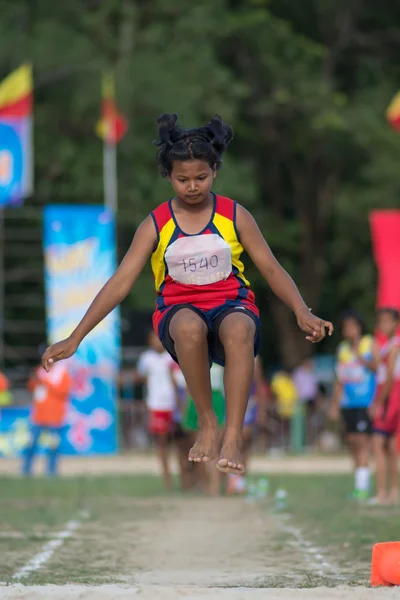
x,y
205,310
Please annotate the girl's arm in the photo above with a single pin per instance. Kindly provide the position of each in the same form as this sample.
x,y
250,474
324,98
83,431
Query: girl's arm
x,y
334,410
277,278
371,363
111,294
387,387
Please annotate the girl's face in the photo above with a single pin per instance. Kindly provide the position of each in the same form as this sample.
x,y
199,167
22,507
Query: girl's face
x,y
351,330
386,323
192,180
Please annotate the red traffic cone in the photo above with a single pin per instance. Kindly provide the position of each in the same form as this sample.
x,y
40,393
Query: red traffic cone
x,y
385,566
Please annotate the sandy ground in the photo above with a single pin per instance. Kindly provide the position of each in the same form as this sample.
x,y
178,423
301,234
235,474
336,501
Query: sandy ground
x,y
113,592
147,463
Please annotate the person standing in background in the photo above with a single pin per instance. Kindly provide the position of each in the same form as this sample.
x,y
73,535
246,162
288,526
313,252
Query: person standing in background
x,y
154,369
50,394
284,390
353,393
179,435
307,392
385,409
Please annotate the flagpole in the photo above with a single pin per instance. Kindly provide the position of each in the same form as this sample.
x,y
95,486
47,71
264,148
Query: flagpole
x,y
110,176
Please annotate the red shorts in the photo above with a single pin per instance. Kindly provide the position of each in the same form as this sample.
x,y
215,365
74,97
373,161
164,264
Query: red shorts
x,y
387,421
160,421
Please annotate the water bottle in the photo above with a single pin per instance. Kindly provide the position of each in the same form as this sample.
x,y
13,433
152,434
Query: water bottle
x,y
262,488
281,499
251,493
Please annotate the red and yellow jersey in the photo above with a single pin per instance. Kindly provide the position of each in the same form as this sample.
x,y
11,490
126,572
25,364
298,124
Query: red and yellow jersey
x,y
204,269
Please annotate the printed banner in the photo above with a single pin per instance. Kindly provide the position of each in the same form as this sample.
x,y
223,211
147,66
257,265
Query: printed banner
x,y
79,244
16,179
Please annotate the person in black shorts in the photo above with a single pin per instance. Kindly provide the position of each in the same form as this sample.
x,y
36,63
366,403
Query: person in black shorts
x,y
354,392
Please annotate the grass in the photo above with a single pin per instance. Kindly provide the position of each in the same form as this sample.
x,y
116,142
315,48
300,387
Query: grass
x,y
344,530
105,545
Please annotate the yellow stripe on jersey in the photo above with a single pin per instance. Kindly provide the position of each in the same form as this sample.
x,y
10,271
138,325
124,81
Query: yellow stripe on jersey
x,y
226,228
157,258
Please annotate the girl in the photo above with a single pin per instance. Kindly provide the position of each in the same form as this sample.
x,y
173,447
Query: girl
x,y
385,409
353,393
154,369
205,310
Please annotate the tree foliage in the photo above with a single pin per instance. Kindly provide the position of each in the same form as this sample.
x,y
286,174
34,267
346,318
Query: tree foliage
x,y
304,84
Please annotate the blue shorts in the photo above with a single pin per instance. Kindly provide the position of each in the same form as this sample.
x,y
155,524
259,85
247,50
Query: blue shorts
x,y
213,319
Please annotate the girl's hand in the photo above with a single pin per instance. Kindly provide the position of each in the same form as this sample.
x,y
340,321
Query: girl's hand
x,y
314,326
59,351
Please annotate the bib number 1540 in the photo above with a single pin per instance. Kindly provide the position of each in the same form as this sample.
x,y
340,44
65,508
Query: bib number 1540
x,y
203,263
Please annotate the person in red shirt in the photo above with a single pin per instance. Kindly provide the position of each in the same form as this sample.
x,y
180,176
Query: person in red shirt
x,y
50,393
385,409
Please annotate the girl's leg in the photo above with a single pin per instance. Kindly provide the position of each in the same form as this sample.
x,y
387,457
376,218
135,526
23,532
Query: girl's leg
x,y
361,458
53,452
378,444
30,451
393,496
189,333
236,333
161,441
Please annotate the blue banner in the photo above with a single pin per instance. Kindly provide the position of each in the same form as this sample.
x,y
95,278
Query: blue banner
x,y
16,178
79,244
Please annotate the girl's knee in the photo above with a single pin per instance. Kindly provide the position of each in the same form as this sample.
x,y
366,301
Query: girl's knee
x,y
237,330
187,327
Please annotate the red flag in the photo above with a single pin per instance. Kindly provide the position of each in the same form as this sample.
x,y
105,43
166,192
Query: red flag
x,y
16,93
113,125
393,112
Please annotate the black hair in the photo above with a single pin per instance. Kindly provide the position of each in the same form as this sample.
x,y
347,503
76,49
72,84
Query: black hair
x,y
354,316
393,312
206,143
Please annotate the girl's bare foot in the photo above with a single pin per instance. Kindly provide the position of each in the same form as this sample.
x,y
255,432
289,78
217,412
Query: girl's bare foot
x,y
393,497
231,457
205,447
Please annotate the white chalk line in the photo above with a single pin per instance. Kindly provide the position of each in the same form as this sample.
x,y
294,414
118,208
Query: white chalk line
x,y
50,547
318,561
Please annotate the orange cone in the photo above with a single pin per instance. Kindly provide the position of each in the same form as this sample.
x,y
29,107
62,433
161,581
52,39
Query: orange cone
x,y
385,567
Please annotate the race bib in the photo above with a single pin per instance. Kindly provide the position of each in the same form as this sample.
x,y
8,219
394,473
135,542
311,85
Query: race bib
x,y
199,259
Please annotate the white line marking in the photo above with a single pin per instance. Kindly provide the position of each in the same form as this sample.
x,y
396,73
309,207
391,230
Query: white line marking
x,y
320,565
49,548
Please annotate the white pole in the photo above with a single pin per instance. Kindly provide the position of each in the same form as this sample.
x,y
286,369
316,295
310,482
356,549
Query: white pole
x,y
110,176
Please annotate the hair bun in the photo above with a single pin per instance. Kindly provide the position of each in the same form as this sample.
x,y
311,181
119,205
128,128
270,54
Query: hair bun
x,y
168,130
220,132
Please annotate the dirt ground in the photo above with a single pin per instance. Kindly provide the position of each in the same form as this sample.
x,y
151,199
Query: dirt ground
x,y
201,549
204,549
147,463
123,592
